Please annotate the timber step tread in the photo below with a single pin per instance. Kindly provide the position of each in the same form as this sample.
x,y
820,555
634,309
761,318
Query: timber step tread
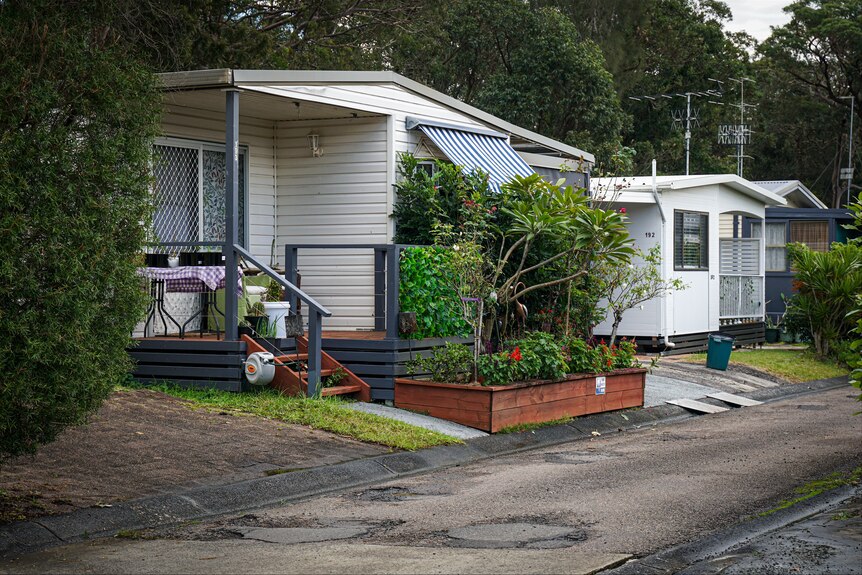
x,y
293,357
323,373
340,390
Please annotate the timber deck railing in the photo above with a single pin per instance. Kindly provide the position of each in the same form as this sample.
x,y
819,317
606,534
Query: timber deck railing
x,y
387,278
293,293
315,316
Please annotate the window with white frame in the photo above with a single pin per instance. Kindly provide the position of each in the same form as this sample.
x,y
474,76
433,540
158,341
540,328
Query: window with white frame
x,y
775,242
690,240
189,192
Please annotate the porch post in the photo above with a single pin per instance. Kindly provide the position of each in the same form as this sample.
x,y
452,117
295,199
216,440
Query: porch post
x,y
393,257
231,223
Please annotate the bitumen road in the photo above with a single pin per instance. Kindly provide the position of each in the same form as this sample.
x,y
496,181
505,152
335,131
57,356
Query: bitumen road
x,y
578,507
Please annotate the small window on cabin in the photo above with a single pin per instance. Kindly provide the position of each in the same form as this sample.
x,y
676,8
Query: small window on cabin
x,y
776,244
815,235
429,167
690,241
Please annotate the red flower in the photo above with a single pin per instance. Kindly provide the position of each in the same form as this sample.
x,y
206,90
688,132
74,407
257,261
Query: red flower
x,y
622,210
516,354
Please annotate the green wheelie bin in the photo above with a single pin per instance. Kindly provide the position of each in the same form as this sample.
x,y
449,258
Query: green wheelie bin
x,y
718,351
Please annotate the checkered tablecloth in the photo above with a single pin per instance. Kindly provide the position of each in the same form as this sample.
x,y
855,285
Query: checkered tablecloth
x,y
191,278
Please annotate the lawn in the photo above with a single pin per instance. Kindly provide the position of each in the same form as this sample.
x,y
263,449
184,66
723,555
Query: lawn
x,y
794,365
329,414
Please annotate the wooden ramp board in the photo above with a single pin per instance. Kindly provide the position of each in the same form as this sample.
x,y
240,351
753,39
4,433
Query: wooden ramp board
x,y
697,405
734,399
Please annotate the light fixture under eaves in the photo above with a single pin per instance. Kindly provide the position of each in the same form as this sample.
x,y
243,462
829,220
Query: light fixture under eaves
x,y
314,144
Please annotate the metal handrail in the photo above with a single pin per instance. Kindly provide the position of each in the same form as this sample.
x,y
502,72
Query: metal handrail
x,y
386,278
284,283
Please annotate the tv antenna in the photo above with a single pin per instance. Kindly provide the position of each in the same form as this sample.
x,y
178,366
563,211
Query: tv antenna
x,y
740,135
687,116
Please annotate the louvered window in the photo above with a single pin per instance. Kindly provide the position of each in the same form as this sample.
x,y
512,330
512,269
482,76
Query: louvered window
x,y
690,241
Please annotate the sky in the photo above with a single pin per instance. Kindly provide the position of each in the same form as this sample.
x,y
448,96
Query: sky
x,y
756,16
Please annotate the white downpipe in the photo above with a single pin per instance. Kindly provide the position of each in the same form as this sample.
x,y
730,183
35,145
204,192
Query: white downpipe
x,y
664,307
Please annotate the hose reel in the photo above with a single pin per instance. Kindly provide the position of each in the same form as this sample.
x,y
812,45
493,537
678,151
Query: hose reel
x,y
259,368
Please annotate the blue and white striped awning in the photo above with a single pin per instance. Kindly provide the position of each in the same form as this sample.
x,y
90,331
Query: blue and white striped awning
x,y
486,151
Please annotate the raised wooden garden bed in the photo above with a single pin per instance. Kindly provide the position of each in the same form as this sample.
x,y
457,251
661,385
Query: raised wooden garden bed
x,y
492,408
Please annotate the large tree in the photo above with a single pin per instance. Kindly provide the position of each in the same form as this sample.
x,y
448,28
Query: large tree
x,y
524,63
809,67
78,119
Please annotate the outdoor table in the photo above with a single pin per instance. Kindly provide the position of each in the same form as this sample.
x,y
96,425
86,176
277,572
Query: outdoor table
x,y
186,279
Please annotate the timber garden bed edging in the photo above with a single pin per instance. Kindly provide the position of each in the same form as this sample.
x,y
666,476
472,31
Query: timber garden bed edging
x,y
495,407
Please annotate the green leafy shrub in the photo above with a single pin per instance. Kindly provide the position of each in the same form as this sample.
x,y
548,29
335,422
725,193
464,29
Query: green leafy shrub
x,y
602,358
426,289
542,356
580,357
536,356
452,363
826,285
76,129
423,200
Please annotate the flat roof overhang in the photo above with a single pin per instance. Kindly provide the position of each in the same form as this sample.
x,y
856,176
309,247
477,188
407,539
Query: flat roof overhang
x,y
175,83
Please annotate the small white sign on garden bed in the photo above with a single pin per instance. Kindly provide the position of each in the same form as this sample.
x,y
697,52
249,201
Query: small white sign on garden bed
x,y
600,385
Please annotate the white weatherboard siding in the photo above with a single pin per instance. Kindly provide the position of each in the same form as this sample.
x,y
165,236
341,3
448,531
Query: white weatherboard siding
x,y
695,309
341,197
725,225
388,99
259,137
644,227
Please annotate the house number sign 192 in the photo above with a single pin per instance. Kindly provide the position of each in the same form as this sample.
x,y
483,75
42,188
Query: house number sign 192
x,y
649,234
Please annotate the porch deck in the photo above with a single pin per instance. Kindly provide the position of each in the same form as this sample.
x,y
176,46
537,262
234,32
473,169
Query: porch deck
x,y
209,361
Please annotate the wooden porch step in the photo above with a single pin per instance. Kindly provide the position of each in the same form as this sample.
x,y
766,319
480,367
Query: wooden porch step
x,y
340,390
293,357
323,373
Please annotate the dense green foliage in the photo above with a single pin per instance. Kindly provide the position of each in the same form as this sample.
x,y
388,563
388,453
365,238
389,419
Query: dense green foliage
x,y
75,133
451,363
827,285
423,199
854,350
427,290
565,68
807,70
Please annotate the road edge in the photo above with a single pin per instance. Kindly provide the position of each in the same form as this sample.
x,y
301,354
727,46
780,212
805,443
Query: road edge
x,y
679,557
216,500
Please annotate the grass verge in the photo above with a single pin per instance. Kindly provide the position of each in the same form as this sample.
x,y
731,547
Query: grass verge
x,y
817,487
794,365
328,413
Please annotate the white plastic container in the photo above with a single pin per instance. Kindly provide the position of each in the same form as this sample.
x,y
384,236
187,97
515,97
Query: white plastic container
x,y
275,311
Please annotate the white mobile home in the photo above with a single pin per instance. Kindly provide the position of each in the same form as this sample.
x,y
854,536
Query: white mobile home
x,y
297,170
724,275
318,154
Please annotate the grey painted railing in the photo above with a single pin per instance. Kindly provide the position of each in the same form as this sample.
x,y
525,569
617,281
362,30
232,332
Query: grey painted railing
x,y
387,278
316,314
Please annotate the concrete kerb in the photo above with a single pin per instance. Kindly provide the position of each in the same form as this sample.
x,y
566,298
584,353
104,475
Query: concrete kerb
x,y
677,558
210,501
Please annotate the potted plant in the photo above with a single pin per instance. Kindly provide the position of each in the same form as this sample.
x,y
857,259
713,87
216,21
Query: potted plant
x,y
257,320
773,330
534,379
276,309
